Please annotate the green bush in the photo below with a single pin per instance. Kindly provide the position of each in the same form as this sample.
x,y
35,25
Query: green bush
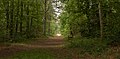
x,y
88,45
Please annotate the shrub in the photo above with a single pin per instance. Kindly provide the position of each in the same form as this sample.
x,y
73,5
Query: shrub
x,y
88,45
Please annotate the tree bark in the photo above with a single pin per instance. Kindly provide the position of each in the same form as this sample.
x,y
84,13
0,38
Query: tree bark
x,y
28,21
21,17
11,19
101,21
7,18
45,18
16,30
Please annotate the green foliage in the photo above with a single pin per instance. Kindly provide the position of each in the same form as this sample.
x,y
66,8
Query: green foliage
x,y
92,46
33,54
21,19
81,18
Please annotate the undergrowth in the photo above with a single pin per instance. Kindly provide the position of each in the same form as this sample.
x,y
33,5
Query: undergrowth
x,y
91,46
33,54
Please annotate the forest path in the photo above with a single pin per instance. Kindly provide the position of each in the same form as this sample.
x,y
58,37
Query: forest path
x,y
51,42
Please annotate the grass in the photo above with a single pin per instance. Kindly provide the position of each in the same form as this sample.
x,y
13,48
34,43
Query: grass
x,y
33,54
79,48
92,46
64,53
45,53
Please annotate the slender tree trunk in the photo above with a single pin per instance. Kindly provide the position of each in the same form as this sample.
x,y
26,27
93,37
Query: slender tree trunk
x,y
37,14
45,18
11,19
7,18
16,30
31,19
71,31
21,17
27,21
49,25
31,24
101,21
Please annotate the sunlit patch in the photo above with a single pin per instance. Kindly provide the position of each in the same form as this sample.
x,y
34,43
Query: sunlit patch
x,y
58,34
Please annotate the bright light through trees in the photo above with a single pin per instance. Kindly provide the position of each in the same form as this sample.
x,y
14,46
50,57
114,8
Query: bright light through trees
x,y
57,6
58,34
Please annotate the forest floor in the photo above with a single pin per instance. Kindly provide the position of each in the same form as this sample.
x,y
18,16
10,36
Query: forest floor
x,y
13,48
53,45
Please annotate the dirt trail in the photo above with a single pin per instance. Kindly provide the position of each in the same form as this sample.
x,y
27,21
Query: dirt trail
x,y
51,42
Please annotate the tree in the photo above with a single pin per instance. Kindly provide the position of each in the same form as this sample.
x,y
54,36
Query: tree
x,y
11,19
7,16
101,21
84,18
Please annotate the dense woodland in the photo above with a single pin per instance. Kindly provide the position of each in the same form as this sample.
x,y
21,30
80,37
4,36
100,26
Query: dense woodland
x,y
91,19
92,25
80,19
25,19
90,28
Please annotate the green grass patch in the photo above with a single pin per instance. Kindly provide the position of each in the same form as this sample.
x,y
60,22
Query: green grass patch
x,y
92,46
33,54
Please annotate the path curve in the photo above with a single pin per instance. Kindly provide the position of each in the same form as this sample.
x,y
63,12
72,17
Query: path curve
x,y
51,42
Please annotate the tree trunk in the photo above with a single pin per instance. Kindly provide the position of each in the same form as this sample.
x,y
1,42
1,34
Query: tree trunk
x,y
44,21
27,21
101,21
49,25
11,19
7,18
16,30
21,18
